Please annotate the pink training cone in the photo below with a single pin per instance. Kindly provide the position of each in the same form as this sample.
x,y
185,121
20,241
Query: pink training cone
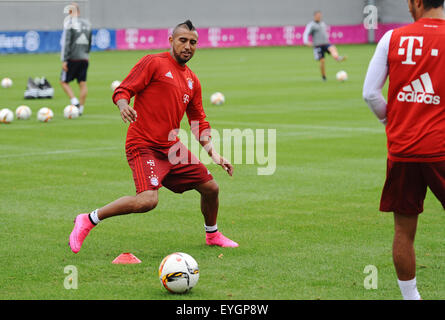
x,y
126,258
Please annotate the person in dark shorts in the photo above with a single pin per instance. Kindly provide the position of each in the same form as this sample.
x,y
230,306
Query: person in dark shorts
x,y
413,58
320,42
165,89
76,45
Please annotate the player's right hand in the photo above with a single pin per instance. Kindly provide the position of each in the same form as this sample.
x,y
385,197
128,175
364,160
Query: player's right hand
x,y
65,66
127,113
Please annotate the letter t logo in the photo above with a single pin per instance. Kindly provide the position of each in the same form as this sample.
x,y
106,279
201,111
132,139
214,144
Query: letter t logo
x,y
410,49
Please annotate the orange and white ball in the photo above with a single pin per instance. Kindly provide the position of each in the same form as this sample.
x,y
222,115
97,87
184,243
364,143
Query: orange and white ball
x,y
71,112
45,114
6,115
23,112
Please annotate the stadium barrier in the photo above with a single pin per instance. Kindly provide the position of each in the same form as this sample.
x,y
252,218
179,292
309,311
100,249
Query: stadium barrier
x,y
49,41
147,39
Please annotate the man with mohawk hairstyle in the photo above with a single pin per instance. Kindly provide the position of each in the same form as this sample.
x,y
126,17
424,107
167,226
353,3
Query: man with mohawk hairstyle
x,y
164,89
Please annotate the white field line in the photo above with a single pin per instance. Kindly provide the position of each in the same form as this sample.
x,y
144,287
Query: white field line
x,y
290,127
300,126
45,153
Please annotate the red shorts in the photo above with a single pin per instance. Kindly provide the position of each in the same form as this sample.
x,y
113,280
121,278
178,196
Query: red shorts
x,y
153,169
406,185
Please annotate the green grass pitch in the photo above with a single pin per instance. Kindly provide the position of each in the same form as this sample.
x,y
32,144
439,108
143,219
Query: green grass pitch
x,y
306,232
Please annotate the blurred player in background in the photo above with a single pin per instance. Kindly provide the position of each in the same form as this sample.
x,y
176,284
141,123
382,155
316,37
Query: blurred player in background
x,y
414,59
164,89
76,45
320,42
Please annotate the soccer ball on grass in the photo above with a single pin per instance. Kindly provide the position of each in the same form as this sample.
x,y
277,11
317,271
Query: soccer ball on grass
x,y
341,76
45,114
217,98
115,84
6,83
71,112
23,112
6,115
179,272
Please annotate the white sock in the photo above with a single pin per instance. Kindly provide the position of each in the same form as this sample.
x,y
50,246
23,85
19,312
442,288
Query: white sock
x,y
74,101
211,229
409,289
93,217
80,109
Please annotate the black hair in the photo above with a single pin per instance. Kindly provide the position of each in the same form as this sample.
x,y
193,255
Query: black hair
x,y
430,4
188,24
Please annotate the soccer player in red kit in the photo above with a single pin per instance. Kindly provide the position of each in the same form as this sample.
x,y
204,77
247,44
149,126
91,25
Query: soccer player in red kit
x,y
413,57
164,89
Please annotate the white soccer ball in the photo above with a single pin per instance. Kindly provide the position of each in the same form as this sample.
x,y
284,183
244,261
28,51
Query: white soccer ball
x,y
179,272
341,75
217,98
6,115
23,112
71,112
6,83
115,84
45,114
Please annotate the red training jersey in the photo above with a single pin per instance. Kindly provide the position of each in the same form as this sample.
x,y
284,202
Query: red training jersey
x,y
163,90
416,94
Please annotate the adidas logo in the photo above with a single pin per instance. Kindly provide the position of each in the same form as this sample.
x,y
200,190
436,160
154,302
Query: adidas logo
x,y
169,75
419,91
82,39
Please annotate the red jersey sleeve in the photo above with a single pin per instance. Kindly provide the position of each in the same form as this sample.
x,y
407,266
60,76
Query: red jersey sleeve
x,y
196,115
138,78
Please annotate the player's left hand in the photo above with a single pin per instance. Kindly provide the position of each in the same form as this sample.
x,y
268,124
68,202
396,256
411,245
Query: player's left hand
x,y
226,165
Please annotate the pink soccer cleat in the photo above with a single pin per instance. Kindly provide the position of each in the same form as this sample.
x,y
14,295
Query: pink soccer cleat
x,y
82,226
217,239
